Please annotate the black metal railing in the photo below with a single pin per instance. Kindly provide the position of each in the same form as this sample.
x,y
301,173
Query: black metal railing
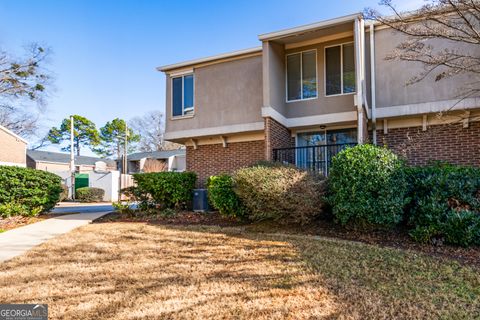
x,y
312,158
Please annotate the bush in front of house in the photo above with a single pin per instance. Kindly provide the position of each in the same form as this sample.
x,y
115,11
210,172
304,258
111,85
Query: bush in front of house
x,y
25,191
164,189
367,187
89,194
222,196
280,192
445,204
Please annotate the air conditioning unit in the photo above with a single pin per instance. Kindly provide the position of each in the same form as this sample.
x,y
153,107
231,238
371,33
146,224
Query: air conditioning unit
x,y
200,200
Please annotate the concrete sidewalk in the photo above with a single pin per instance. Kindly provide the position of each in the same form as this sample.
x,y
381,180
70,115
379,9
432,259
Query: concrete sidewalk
x,y
17,241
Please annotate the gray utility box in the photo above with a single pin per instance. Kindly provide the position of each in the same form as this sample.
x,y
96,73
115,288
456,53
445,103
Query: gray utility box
x,y
200,200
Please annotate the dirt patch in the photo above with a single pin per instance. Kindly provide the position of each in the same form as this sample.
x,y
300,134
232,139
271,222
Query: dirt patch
x,y
19,221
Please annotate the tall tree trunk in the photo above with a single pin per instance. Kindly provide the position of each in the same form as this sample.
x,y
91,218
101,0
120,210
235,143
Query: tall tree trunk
x,y
78,147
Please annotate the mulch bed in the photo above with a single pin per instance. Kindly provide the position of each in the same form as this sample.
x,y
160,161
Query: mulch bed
x,y
397,238
19,221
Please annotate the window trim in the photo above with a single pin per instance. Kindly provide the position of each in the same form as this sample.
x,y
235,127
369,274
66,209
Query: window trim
x,y
341,69
301,75
192,108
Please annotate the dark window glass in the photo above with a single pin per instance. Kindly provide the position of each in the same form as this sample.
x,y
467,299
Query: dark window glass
x,y
309,74
293,77
348,68
333,71
177,96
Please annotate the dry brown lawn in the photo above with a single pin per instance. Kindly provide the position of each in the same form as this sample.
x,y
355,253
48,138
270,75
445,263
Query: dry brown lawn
x,y
140,271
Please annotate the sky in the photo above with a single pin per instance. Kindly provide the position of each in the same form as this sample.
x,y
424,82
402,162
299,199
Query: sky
x,y
104,53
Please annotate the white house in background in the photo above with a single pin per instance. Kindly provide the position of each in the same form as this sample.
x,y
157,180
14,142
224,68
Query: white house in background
x,y
13,149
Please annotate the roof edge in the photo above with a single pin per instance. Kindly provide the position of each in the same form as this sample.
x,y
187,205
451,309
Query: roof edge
x,y
13,134
316,25
209,58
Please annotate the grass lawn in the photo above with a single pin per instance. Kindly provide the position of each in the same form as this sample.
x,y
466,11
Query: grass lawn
x,y
136,270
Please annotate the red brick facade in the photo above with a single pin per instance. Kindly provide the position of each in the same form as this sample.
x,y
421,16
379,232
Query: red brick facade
x,y
451,143
276,136
214,159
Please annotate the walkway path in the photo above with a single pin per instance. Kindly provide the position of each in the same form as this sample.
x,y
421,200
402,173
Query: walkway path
x,y
17,241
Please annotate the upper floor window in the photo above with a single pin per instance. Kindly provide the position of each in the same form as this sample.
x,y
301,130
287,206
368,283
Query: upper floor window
x,y
339,69
182,95
302,75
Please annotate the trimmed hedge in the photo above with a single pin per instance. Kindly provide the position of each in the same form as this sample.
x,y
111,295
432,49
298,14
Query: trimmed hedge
x,y
222,196
280,192
89,194
367,187
445,204
165,189
25,191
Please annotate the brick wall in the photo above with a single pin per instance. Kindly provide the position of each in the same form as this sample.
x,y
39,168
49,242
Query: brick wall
x,y
214,159
12,150
276,136
451,143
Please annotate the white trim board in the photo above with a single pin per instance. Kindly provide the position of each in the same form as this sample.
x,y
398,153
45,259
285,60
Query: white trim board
x,y
13,164
212,131
427,107
322,119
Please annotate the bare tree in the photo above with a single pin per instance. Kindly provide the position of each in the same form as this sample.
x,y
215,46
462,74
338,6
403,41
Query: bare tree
x,y
154,165
455,22
151,128
444,37
23,81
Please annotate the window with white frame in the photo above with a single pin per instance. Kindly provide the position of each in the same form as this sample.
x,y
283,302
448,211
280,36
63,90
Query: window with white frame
x,y
302,75
339,69
182,95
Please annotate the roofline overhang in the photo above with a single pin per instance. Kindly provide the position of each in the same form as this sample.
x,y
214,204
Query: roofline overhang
x,y
16,136
308,27
227,55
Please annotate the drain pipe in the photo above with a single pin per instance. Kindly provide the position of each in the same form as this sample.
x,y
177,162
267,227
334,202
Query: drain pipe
x,y
372,83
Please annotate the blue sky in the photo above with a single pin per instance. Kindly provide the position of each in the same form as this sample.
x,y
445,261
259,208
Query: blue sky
x,y
105,52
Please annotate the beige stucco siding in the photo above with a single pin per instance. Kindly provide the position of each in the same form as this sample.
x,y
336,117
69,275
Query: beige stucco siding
x,y
322,104
12,150
392,76
227,93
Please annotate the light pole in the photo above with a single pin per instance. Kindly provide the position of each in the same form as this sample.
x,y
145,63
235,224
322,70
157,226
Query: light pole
x,y
72,159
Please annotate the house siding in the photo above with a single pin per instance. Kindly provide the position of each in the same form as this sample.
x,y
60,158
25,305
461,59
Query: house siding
x,y
12,150
213,159
450,142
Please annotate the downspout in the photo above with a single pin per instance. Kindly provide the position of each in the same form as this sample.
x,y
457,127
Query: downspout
x,y
359,85
372,83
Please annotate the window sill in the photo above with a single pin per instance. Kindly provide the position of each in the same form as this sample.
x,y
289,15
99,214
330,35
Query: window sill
x,y
188,116
339,94
300,100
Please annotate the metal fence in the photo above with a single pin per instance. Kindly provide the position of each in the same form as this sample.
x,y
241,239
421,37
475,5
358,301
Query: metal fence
x,y
312,158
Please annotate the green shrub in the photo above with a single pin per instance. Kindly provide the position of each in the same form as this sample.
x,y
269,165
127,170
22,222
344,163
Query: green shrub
x,y
280,193
223,197
445,203
367,187
27,191
89,194
164,189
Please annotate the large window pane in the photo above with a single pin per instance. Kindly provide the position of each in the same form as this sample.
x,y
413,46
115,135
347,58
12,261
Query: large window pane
x,y
293,77
348,68
188,92
333,71
309,72
177,96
